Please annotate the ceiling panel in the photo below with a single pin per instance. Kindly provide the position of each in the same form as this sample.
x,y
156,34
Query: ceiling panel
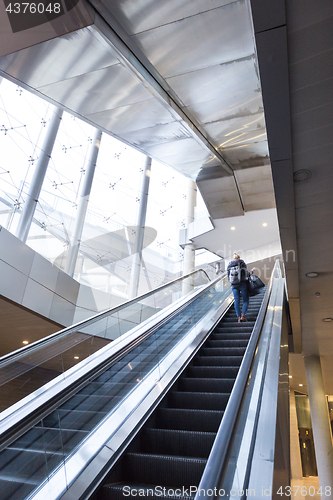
x,y
312,97
306,42
256,188
228,28
312,119
143,15
133,117
314,139
304,15
227,106
198,166
249,235
222,80
310,71
158,134
104,89
221,195
184,150
316,189
64,57
238,131
248,155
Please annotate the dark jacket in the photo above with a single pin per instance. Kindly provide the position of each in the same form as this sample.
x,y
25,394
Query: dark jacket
x,y
244,271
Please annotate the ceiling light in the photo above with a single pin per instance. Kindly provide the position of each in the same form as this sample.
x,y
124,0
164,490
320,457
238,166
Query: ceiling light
x,y
76,357
25,342
312,274
233,228
290,376
302,175
265,224
328,320
301,385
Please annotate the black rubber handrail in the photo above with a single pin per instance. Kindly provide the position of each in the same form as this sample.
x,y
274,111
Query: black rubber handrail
x,y
210,480
82,324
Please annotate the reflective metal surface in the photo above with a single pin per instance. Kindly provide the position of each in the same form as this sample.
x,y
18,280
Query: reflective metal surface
x,y
255,451
178,81
143,15
264,454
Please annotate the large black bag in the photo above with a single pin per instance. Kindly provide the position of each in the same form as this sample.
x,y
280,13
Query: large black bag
x,y
254,284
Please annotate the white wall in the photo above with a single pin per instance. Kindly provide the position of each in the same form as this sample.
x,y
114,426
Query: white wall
x,y
30,280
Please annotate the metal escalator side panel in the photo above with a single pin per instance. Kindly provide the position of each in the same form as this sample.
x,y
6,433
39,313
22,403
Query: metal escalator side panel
x,y
254,435
273,412
220,468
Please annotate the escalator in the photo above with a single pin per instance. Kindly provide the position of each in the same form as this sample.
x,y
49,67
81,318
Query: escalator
x,y
171,450
147,409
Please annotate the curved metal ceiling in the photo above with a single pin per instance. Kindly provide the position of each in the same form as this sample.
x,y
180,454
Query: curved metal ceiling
x,y
178,80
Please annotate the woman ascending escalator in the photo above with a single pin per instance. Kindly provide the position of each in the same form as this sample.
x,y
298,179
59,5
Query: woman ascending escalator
x,y
238,276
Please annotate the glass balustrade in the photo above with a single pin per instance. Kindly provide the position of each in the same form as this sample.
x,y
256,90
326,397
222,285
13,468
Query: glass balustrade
x,y
29,368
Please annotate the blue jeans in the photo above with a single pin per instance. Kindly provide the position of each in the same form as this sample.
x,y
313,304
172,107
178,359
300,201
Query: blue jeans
x,y
237,291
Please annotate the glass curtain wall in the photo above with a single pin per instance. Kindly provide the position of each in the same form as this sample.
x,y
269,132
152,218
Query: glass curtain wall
x,y
105,255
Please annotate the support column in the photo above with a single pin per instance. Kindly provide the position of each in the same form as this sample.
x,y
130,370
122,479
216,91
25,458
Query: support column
x,y
137,257
29,206
83,204
295,452
189,249
321,425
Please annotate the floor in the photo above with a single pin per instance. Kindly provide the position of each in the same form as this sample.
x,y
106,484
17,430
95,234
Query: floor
x,y
306,489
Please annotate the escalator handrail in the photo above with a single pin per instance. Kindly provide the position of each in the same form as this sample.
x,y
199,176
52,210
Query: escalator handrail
x,y
83,324
39,401
213,471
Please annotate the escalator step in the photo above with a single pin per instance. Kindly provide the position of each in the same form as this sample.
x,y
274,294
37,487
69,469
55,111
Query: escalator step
x,y
218,360
198,400
238,328
231,336
163,469
227,343
189,419
250,317
232,319
177,442
212,371
205,385
222,351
